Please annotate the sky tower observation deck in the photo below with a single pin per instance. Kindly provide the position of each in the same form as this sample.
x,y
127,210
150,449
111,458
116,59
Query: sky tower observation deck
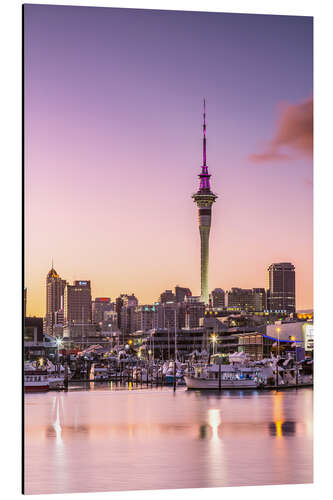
x,y
204,198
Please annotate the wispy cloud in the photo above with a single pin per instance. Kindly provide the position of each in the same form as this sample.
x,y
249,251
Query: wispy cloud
x,y
294,132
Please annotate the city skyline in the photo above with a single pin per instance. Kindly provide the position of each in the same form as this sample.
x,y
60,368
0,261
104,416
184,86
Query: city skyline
x,y
113,127
55,299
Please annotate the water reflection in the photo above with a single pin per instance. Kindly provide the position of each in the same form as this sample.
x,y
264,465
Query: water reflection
x,y
280,428
198,439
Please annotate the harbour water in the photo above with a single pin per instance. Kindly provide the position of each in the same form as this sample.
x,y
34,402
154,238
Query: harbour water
x,y
97,437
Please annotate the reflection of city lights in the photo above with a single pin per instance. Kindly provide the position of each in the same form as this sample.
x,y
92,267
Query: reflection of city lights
x,y
278,425
214,421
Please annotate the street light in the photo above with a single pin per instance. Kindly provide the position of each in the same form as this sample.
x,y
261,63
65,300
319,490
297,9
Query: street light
x,y
58,342
213,338
278,332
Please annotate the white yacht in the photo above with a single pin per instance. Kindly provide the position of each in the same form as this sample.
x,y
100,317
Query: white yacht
x,y
228,377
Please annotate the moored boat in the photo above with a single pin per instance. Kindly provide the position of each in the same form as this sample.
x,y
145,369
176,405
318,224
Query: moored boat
x,y
224,377
36,380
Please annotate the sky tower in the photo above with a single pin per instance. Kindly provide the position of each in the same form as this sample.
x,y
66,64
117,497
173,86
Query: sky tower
x,y
204,198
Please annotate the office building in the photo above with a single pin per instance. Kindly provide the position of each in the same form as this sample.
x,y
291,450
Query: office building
x,y
181,293
167,296
281,287
55,287
78,310
240,299
99,306
218,298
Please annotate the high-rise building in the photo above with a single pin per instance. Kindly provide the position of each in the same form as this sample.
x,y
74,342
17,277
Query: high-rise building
x,y
128,319
167,296
146,317
55,287
181,293
77,309
218,298
168,313
281,287
204,198
241,298
110,322
259,299
119,305
194,311
99,306
24,302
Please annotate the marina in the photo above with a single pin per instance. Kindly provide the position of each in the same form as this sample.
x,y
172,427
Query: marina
x,y
235,371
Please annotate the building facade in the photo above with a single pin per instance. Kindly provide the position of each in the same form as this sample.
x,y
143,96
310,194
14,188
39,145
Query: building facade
x,y
99,306
167,296
128,315
181,293
281,287
55,287
218,298
241,298
78,310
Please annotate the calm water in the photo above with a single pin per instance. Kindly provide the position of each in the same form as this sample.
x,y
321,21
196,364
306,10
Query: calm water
x,y
101,439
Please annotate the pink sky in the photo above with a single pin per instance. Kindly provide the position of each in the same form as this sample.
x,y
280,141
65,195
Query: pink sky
x,y
113,148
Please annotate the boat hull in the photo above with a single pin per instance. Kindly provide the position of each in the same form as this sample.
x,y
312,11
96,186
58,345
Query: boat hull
x,y
204,383
35,387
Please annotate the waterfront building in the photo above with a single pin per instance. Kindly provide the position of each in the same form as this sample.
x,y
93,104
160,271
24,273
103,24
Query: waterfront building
x,y
77,309
204,198
218,298
181,293
167,296
55,287
99,306
37,344
161,342
281,287
300,332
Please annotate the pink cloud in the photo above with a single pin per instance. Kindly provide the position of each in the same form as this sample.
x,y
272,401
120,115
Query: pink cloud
x,y
294,131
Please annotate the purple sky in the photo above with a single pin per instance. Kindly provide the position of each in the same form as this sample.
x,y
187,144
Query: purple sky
x,y
113,122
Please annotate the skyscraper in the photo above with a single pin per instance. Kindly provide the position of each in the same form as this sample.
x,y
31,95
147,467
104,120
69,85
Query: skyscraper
x,y
218,298
55,287
204,198
167,296
181,293
241,298
99,306
281,283
77,309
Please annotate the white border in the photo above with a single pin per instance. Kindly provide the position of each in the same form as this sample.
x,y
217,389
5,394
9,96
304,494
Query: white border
x,y
10,81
